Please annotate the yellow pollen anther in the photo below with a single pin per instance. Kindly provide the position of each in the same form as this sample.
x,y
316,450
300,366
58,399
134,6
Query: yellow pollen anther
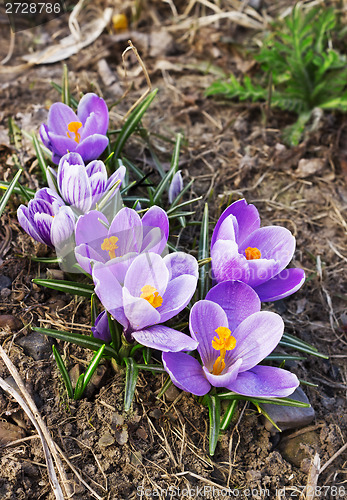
x,y
252,253
151,294
109,244
74,128
225,342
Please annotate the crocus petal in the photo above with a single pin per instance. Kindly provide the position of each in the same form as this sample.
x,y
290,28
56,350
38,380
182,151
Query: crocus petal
x,y
91,103
227,263
139,312
92,147
118,175
285,283
229,229
44,136
205,317
237,299
155,225
164,339
85,255
176,186
256,337
97,187
265,381
101,328
179,263
90,230
59,116
274,242
61,144
186,373
27,223
225,378
66,164
109,291
247,216
261,270
48,195
127,227
147,269
63,226
75,187
177,295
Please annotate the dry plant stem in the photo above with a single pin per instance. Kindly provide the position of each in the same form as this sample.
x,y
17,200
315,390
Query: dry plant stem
x,y
49,461
312,479
73,23
10,49
330,461
145,72
42,426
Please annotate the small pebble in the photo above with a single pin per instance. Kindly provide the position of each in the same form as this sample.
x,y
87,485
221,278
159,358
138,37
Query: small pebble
x,y
9,433
10,322
36,345
117,419
5,282
141,433
172,393
156,413
122,436
136,458
106,440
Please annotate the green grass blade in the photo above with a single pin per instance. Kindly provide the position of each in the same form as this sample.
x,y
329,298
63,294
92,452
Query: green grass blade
x,y
65,93
40,157
165,387
72,287
131,374
93,310
213,403
295,340
116,332
44,260
9,191
63,371
203,254
58,88
275,401
132,122
228,416
304,349
152,368
76,338
165,182
78,388
184,204
92,367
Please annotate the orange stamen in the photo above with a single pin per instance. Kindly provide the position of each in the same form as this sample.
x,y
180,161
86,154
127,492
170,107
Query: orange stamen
x,y
252,253
74,128
225,342
109,244
151,294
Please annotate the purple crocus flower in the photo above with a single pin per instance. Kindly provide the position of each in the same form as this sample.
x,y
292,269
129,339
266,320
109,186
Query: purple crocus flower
x,y
176,186
127,233
80,185
83,133
144,291
233,337
101,328
242,250
47,219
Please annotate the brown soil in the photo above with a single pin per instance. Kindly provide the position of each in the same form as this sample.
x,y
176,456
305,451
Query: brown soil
x,y
232,151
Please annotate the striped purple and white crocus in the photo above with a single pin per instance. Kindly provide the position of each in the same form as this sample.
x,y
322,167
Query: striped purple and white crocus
x,y
47,219
83,186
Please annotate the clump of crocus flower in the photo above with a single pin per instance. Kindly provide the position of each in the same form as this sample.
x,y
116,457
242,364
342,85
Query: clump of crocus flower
x,y
233,336
82,186
144,291
97,241
242,250
101,329
47,219
83,132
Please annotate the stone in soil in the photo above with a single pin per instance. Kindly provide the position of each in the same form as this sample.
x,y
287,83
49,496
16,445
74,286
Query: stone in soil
x,y
289,417
9,433
10,322
106,440
5,282
298,449
36,345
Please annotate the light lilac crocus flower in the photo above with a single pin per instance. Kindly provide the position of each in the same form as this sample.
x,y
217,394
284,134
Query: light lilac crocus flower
x,y
242,250
128,233
47,219
83,133
80,185
143,295
233,337
101,328
176,186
